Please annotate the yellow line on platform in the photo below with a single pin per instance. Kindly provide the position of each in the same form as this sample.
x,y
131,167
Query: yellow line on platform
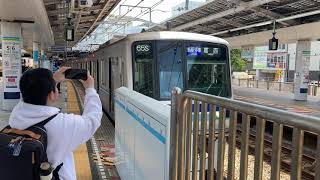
x,y
81,158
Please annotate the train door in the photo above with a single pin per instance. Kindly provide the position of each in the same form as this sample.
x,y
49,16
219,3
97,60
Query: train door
x,y
97,76
110,80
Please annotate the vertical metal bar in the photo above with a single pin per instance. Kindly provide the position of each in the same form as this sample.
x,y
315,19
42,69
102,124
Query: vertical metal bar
x,y
175,96
279,86
211,142
188,140
297,145
182,137
258,163
187,5
276,150
317,169
239,82
221,144
195,141
268,85
245,130
257,84
203,141
232,144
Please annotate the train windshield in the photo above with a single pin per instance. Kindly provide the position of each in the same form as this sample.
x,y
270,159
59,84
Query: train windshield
x,y
169,55
159,66
143,68
207,68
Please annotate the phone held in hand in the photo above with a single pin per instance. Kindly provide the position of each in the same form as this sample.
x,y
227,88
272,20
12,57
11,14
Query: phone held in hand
x,y
76,74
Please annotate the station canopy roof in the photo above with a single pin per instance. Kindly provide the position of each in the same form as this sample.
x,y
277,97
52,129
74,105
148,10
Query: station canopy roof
x,y
229,18
84,20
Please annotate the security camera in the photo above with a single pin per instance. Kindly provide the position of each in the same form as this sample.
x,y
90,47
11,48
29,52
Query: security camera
x,y
85,3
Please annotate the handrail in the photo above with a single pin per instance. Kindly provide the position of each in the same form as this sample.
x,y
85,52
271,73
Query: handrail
x,y
188,114
307,123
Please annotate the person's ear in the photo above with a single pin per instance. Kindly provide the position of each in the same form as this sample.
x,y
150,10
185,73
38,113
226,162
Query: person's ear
x,y
51,96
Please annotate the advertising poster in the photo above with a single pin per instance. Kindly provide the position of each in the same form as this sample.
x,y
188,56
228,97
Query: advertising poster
x,y
260,57
247,53
11,54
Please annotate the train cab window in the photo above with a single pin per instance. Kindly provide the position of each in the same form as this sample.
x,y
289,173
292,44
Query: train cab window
x,y
207,68
169,57
143,68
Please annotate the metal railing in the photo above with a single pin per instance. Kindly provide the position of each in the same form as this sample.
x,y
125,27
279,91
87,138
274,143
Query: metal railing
x,y
189,150
274,86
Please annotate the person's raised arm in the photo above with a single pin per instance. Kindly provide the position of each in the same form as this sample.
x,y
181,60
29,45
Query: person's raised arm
x,y
84,126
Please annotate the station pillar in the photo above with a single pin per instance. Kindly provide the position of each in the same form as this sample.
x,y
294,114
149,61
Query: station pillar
x,y
35,54
11,63
42,59
257,74
301,75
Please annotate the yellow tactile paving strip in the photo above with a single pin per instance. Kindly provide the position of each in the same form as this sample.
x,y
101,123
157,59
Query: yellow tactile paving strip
x,y
81,158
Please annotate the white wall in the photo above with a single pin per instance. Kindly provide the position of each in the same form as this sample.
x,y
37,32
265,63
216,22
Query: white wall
x,y
315,56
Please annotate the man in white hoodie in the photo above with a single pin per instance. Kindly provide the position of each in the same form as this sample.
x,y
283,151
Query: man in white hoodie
x,y
66,131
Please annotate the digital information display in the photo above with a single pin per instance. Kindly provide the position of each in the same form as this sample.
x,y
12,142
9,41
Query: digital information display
x,y
143,51
203,51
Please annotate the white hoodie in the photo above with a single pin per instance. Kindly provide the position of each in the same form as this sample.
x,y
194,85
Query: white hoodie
x,y
65,132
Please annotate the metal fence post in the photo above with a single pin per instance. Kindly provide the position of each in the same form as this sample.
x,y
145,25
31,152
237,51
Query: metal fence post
x,y
173,165
280,86
257,84
239,82
267,85
247,83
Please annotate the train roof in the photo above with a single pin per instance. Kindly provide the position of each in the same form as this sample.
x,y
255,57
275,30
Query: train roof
x,y
173,35
169,35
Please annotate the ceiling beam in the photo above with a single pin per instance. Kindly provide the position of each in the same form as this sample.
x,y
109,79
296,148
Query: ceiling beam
x,y
108,4
87,18
270,15
57,11
242,7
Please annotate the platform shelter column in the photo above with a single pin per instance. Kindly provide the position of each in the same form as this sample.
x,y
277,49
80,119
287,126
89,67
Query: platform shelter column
x,y
35,54
11,63
301,76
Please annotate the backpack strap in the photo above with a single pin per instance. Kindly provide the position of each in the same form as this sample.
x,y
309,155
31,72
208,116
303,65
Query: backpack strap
x,y
42,123
55,172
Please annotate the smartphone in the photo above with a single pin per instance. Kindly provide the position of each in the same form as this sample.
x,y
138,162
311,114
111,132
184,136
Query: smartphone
x,y
76,74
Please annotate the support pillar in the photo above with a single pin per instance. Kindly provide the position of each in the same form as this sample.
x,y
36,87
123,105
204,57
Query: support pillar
x,y
35,54
301,75
42,59
258,74
11,63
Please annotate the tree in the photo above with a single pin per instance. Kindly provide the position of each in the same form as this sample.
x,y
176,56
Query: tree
x,y
237,63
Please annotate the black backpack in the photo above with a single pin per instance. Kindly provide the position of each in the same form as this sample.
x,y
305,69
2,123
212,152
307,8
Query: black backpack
x,y
22,152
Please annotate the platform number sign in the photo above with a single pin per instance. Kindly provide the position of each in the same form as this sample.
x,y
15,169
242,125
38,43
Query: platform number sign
x,y
11,54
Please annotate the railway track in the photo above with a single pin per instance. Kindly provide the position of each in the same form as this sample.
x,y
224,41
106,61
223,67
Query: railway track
x,y
308,160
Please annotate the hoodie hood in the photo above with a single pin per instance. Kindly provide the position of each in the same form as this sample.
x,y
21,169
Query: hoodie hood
x,y
25,115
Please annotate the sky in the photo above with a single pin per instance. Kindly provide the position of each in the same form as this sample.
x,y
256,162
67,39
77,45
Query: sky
x,y
161,11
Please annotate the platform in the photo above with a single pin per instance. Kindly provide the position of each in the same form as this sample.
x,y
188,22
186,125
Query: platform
x,y
279,100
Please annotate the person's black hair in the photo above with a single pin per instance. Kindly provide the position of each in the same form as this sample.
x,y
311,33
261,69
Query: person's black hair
x,y
35,86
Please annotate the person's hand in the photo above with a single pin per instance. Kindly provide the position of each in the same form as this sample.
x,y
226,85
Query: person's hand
x,y
89,83
59,75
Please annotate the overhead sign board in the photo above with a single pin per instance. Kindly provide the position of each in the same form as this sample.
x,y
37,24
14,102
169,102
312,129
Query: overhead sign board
x,y
69,33
57,49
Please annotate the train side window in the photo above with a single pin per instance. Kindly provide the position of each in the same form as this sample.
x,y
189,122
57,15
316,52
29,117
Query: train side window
x,y
143,67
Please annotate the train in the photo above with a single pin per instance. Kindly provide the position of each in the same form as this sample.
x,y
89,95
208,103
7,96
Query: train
x,y
152,63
